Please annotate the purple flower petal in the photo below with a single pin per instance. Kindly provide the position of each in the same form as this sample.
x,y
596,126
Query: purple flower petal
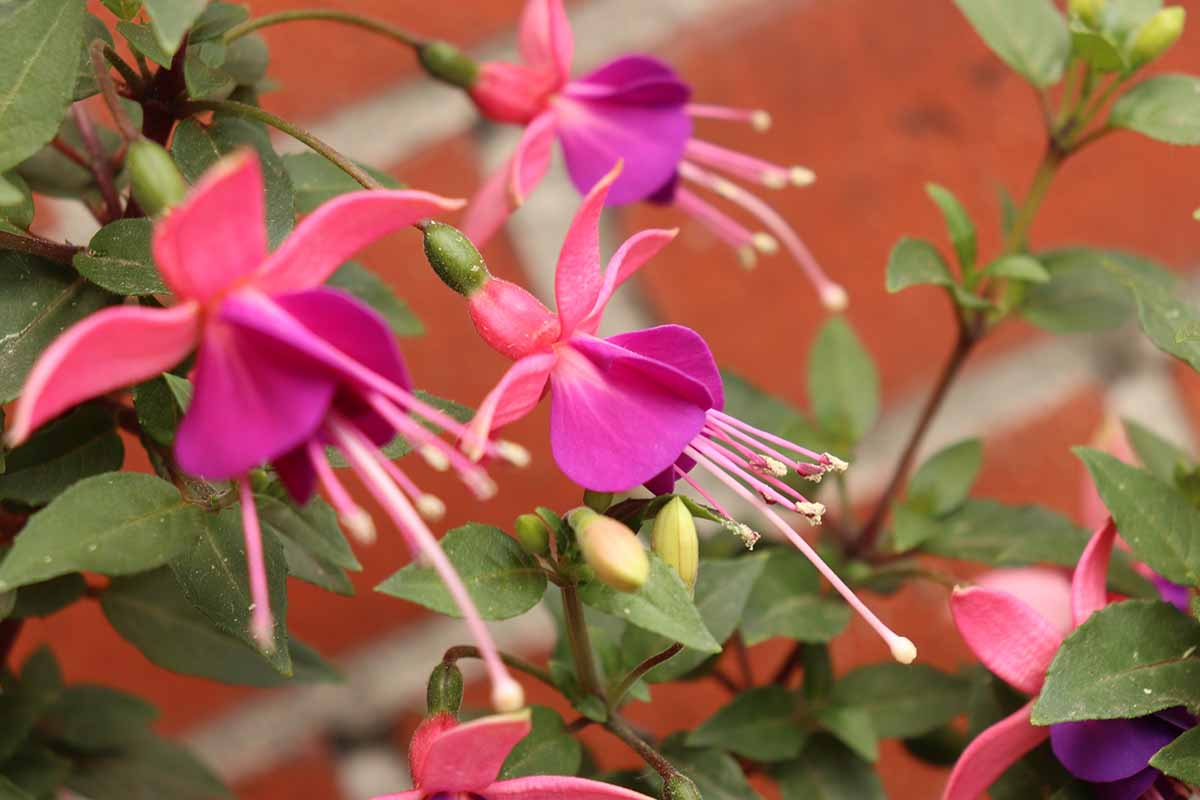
x,y
1177,716
681,348
296,473
634,80
1173,593
1130,788
1106,750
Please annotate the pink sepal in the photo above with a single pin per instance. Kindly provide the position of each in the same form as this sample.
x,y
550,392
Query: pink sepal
x,y
1089,584
992,752
468,757
1008,636
577,278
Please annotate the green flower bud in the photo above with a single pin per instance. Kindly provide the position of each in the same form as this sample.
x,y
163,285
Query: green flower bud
x,y
447,63
1087,11
1157,35
597,501
532,534
674,539
454,258
680,787
157,184
445,690
611,549
260,481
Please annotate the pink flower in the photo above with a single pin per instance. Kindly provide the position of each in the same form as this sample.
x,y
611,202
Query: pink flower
x,y
634,109
637,408
449,760
284,367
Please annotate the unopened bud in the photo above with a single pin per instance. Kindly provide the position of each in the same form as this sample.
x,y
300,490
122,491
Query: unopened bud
x,y
675,541
156,181
1157,35
611,549
455,260
680,787
447,63
260,481
1087,11
532,534
445,690
597,501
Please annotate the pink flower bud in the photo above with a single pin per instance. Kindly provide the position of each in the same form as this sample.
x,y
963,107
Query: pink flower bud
x,y
510,319
511,92
611,549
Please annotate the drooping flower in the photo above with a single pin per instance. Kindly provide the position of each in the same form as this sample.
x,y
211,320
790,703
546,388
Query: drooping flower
x,y
635,109
448,760
1014,621
636,408
284,367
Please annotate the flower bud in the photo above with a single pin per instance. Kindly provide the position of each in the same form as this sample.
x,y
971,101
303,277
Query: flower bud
x,y
510,319
597,501
454,258
532,534
157,184
680,787
611,549
674,539
447,63
1087,11
1157,35
445,690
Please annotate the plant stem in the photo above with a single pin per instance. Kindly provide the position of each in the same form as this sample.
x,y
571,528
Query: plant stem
x,y
101,169
519,664
1042,178
130,75
36,245
793,661
70,152
296,132
618,692
621,729
579,641
725,681
327,15
743,657
98,53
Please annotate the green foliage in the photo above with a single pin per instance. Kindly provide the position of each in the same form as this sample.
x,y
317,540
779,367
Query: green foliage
x,y
958,224
171,19
548,749
787,601
118,259
762,724
316,179
76,446
1181,758
843,384
364,284
902,701
1029,35
828,770
1165,107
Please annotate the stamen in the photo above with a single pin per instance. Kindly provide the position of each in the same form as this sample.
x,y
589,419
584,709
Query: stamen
x,y
355,519
813,511
507,694
833,296
802,176
734,422
769,494
723,226
430,506
835,463
513,453
902,649
765,243
262,623
748,535
761,464
759,119
747,167
434,457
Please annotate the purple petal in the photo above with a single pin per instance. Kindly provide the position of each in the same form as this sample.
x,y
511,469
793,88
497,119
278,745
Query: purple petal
x,y
1130,788
1173,593
1106,750
618,419
633,80
296,473
1177,716
681,348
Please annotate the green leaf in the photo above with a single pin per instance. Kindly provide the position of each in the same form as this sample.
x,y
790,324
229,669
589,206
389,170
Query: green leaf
x,y
843,384
44,598
1019,268
912,527
85,76
502,579
81,444
717,775
1097,50
197,148
1127,660
115,524
916,262
125,9
1082,295
943,482
142,39
1029,35
547,750
11,791
316,179
16,201
852,727
1119,18
170,19
160,406
761,724
364,284
958,223
202,72
38,66
828,770
150,611
903,700
37,769
22,705
1159,456
786,601
118,259
1165,107
313,544
1160,525
38,300
1169,322
663,606
150,767
214,576
97,718
246,60
1181,758
216,19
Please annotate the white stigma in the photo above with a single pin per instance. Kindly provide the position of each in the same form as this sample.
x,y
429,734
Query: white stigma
x,y
435,458
813,511
802,176
431,507
513,453
360,525
761,121
765,243
482,486
726,189
834,297
774,179
508,696
836,464
746,257
903,650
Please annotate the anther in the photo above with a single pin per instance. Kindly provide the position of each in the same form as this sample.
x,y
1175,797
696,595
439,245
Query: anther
x,y
761,121
360,525
802,176
431,507
513,453
765,243
434,457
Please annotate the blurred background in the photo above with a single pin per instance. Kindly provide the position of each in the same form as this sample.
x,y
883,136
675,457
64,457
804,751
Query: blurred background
x,y
876,96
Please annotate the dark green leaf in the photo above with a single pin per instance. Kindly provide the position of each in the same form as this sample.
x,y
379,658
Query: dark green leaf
x,y
23,704
11,791
216,19
916,262
547,750
828,770
202,71
44,598
1165,107
38,300
716,774
76,446
503,580
1082,295
1169,322
1018,267
942,482
118,259
1098,50
786,601
1159,456
1181,758
142,39
313,544
38,66
125,9
1127,660
843,384
37,769
158,407
150,767
958,223
246,59
1029,35
903,700
115,524
85,76
762,724
852,727
316,179
170,19
96,718
364,284
912,527
16,201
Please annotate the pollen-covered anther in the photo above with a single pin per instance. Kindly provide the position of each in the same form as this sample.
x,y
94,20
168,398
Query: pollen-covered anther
x,y
765,465
747,257
812,511
359,524
774,179
434,457
513,453
801,176
760,120
765,243
431,507
835,464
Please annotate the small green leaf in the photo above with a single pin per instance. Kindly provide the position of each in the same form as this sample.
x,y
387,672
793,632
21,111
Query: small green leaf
x,y
158,407
16,201
1166,319
1159,456
141,39
828,770
1029,35
958,224
1165,107
364,284
1181,758
762,724
202,72
316,179
1081,294
903,700
85,75
76,446
97,718
912,527
547,750
916,262
117,523
216,19
1019,268
118,259
44,598
22,705
1127,660
843,384
852,727
1097,50
171,19
502,579
125,9
11,791
313,544
786,601
149,767
942,483
716,774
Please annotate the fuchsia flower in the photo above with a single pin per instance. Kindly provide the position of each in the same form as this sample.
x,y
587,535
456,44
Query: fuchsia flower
x,y
449,761
636,408
635,109
284,367
1014,622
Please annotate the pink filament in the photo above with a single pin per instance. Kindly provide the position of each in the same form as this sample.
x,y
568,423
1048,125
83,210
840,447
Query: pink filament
x,y
722,112
726,429
726,421
262,624
714,452
744,166
723,226
712,501
339,498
